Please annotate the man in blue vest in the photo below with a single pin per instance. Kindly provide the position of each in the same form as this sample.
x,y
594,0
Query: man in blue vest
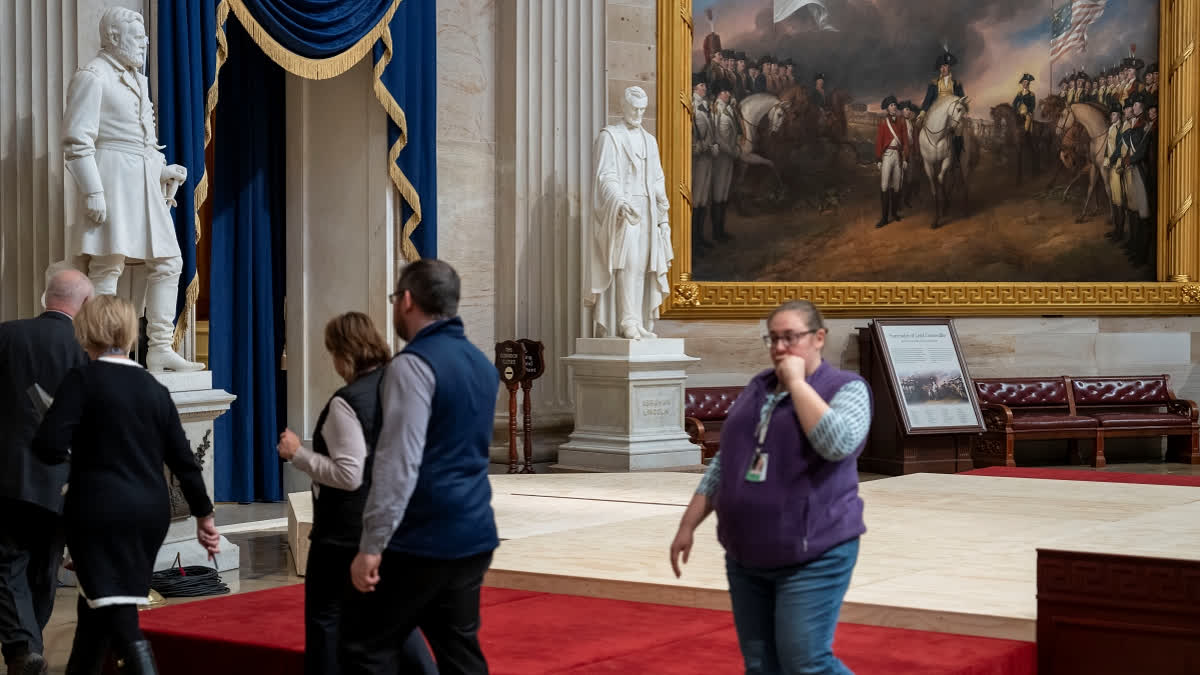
x,y
428,527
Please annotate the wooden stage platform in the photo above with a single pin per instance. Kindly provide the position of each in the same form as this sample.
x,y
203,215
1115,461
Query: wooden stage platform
x,y
950,553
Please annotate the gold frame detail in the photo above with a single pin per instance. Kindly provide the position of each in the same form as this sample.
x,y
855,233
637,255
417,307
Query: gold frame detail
x,y
1178,238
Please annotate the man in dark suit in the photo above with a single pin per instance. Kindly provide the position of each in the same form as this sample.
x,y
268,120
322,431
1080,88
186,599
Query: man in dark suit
x,y
32,351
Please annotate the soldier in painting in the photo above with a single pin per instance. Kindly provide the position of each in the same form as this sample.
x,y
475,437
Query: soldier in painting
x,y
725,123
1024,104
741,77
1112,174
717,69
891,151
819,98
945,85
1064,88
789,75
1151,88
1131,160
704,149
758,83
1151,149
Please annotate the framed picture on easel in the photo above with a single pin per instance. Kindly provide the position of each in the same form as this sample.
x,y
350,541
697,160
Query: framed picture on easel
x,y
928,377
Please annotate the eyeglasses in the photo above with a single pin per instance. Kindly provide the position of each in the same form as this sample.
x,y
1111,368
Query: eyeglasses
x,y
393,297
789,340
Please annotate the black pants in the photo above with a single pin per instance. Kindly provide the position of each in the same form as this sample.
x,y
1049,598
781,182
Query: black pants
x,y
326,587
31,548
441,597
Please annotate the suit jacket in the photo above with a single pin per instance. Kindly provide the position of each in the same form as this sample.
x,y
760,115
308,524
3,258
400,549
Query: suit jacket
x,y
40,351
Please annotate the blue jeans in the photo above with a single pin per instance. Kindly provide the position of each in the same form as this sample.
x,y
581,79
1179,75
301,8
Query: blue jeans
x,y
785,617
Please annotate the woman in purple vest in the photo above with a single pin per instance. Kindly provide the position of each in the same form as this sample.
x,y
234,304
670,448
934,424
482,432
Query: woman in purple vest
x,y
785,489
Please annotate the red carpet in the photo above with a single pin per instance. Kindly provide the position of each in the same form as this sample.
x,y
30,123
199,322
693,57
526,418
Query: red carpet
x,y
541,633
1084,474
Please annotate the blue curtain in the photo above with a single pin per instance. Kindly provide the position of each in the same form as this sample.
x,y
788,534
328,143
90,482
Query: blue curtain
x,y
411,78
187,67
246,290
318,29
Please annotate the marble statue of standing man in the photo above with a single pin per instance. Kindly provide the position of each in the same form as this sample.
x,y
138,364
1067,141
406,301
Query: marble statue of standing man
x,y
127,187
631,236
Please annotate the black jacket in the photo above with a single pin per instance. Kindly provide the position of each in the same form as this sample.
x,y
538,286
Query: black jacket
x,y
41,351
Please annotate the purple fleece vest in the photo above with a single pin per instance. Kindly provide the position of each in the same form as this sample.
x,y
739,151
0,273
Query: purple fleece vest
x,y
807,505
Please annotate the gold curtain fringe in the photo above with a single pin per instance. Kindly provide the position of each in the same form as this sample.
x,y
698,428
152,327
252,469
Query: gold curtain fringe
x,y
312,69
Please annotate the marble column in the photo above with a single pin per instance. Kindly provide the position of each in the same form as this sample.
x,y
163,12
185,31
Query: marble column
x,y
550,104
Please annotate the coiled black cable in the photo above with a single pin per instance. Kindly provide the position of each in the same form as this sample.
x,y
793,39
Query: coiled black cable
x,y
192,581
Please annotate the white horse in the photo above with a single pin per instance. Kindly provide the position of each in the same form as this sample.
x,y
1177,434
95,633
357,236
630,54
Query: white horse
x,y
945,116
760,113
1095,123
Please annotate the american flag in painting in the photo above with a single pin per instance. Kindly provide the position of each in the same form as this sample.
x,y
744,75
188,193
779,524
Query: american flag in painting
x,y
1068,26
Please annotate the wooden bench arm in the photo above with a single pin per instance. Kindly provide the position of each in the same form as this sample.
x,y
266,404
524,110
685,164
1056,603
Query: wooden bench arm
x,y
694,429
996,417
1183,407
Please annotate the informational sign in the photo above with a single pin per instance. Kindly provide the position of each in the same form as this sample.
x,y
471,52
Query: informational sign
x,y
928,375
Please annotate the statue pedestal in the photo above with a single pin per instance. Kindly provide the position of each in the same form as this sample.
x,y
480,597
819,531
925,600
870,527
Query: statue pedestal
x,y
198,404
629,404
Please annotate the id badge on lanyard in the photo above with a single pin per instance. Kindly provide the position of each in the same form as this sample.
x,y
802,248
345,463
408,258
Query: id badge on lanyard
x,y
757,472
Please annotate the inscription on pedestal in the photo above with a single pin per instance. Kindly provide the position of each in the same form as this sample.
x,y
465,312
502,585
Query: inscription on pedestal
x,y
656,407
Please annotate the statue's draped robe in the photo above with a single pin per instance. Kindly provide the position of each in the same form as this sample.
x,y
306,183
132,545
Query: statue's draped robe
x,y
618,169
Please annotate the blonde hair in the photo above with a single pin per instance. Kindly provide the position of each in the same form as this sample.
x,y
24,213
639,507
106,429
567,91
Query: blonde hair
x,y
352,337
106,322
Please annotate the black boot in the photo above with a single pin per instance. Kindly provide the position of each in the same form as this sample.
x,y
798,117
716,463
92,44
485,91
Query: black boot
x,y
1146,250
957,144
884,208
1117,215
698,214
1135,233
894,199
719,233
139,659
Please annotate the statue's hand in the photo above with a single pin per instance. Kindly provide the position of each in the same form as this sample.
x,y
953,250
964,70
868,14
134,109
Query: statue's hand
x,y
173,173
97,210
626,213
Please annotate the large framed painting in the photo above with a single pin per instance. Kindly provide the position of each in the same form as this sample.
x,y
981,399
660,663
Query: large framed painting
x,y
931,158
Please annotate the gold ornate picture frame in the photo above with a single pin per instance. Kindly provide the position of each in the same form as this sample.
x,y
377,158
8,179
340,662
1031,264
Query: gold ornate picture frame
x,y
1178,241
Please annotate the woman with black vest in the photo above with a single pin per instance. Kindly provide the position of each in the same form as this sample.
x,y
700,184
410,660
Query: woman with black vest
x,y
785,488
340,466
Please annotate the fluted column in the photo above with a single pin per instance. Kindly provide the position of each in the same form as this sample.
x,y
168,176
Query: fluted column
x,y
1179,242
550,104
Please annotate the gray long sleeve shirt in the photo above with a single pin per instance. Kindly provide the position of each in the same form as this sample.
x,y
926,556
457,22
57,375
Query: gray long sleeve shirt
x,y
407,402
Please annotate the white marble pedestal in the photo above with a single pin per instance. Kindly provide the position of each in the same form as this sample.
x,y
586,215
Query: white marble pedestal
x,y
628,406
198,404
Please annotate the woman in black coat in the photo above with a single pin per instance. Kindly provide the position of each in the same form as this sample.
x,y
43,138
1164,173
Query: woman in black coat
x,y
117,425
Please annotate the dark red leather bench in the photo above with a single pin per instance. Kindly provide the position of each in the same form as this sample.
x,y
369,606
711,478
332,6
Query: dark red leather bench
x,y
704,413
1074,408
1139,406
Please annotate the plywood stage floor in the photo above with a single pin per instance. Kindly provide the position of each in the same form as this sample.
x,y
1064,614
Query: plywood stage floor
x,y
948,553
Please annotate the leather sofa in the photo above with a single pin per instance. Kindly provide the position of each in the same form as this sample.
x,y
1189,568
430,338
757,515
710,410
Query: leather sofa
x,y
704,412
1074,408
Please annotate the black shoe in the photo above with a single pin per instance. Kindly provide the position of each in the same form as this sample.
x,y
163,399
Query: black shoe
x,y
29,664
884,207
139,659
719,211
894,200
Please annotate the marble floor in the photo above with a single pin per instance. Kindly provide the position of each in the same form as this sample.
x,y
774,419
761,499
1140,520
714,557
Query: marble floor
x,y
558,526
